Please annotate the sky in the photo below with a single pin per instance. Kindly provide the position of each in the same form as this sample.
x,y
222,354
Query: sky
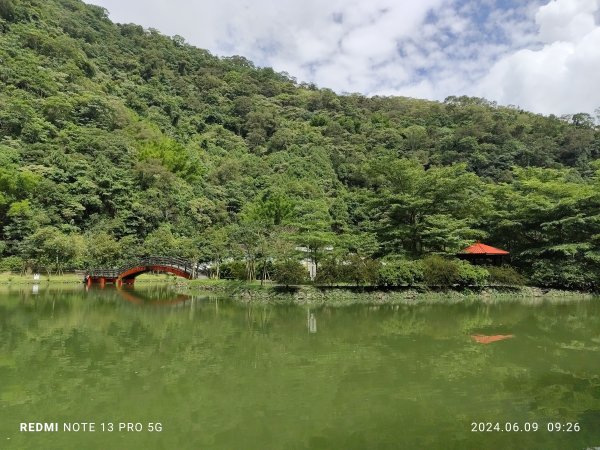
x,y
540,55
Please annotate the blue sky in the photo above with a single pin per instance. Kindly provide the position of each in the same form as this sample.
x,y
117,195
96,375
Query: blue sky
x,y
541,55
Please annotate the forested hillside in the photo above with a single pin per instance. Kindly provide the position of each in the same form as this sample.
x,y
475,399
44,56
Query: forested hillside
x,y
118,141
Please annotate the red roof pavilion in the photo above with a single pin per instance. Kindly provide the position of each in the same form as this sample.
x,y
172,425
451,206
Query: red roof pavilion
x,y
484,250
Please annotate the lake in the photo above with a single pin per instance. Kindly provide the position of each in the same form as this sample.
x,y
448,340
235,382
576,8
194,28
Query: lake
x,y
151,368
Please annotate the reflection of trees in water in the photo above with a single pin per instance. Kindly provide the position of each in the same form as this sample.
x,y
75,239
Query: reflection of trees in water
x,y
258,317
233,360
552,360
150,295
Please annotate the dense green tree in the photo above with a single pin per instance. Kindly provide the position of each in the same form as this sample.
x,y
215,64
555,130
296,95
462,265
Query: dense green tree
x,y
52,249
215,248
103,250
420,210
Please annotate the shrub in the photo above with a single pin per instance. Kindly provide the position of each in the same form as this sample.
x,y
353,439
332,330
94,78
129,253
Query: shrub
x,y
400,273
359,270
505,275
12,264
353,269
330,271
564,274
471,275
439,271
233,269
289,272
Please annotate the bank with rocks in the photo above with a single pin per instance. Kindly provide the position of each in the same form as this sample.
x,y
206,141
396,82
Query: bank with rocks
x,y
348,295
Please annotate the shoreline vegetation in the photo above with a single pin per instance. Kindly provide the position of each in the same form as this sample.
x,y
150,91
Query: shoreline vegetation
x,y
341,295
331,295
8,278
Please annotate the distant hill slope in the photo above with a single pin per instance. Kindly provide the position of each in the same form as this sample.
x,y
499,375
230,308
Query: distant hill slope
x,y
136,141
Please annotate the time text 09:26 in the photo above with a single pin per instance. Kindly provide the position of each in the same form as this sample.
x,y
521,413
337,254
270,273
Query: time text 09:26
x,y
525,427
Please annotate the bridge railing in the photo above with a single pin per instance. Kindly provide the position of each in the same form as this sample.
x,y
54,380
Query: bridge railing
x,y
103,273
182,264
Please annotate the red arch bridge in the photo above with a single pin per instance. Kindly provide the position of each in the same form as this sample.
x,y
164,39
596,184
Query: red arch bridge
x,y
127,275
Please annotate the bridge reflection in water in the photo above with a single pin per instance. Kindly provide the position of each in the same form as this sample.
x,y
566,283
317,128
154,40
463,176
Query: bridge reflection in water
x,y
150,296
138,298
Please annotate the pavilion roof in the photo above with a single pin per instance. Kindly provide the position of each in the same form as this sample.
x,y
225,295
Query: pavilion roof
x,y
482,249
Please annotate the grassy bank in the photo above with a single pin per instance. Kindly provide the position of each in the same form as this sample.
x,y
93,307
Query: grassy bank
x,y
347,295
11,278
8,278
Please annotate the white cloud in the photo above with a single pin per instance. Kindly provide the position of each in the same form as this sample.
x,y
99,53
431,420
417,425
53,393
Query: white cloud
x,y
559,77
543,57
566,20
334,44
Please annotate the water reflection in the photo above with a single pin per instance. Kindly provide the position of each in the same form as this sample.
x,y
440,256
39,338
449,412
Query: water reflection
x,y
222,375
148,295
155,297
258,317
141,296
483,339
311,322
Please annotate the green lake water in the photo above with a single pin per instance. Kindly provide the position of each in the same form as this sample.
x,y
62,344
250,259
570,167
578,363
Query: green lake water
x,y
220,375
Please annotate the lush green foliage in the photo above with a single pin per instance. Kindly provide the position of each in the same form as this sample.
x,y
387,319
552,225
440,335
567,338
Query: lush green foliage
x,y
289,272
444,272
505,275
124,142
401,272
